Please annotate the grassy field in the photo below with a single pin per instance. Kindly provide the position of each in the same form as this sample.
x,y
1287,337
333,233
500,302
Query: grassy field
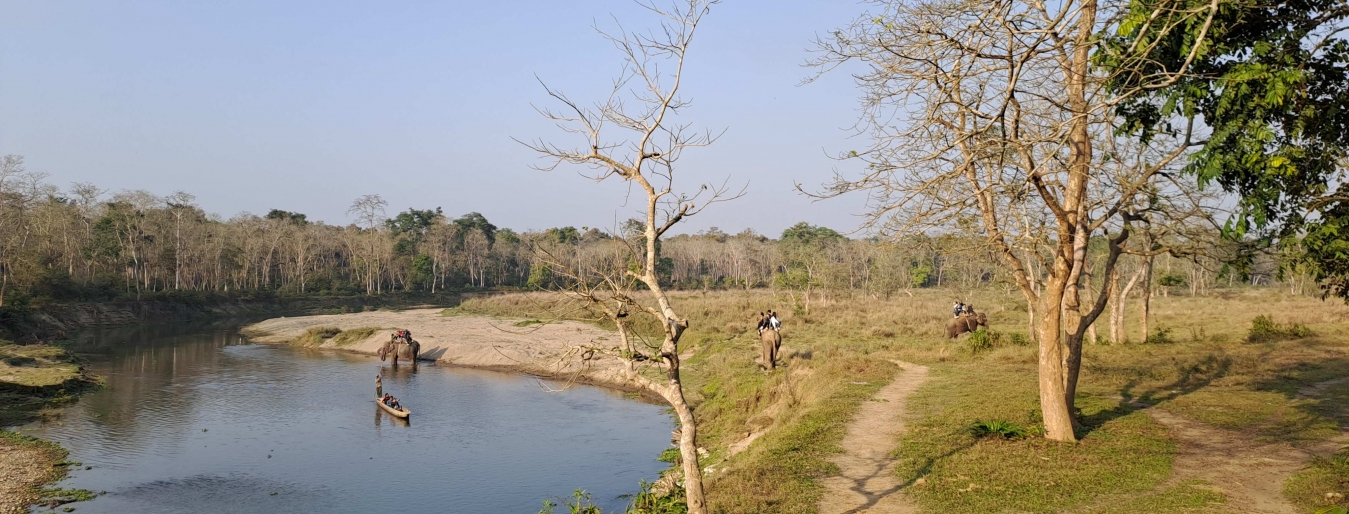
x,y
1198,365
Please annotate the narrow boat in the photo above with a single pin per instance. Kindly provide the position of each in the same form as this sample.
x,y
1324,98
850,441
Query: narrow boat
x,y
400,412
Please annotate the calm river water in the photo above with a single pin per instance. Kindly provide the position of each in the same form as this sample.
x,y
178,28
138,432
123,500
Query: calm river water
x,y
195,420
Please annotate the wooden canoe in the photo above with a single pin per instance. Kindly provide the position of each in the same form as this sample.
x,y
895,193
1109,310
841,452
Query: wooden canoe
x,y
400,412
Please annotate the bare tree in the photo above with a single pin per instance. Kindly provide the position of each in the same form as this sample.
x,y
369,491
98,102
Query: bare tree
x,y
642,105
994,113
369,213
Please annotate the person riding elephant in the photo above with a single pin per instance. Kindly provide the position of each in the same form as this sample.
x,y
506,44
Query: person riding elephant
x,y
410,349
965,323
770,341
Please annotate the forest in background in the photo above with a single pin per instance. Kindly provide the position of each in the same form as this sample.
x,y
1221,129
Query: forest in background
x,y
85,244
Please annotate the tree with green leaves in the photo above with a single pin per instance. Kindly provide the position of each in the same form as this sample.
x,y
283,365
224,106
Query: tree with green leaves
x,y
1270,80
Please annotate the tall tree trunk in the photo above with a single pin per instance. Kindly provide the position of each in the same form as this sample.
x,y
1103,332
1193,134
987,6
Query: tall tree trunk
x,y
1147,297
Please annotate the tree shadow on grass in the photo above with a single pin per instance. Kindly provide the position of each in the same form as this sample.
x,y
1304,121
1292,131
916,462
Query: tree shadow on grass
x,y
1193,376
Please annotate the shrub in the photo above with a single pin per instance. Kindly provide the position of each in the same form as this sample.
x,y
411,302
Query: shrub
x,y
1161,336
979,341
997,428
579,503
653,501
1018,339
985,339
1264,329
316,335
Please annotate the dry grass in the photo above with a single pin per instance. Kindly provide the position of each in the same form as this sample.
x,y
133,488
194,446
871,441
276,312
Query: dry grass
x,y
354,335
839,353
317,335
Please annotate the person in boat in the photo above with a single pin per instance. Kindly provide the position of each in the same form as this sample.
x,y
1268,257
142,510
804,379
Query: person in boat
x,y
389,400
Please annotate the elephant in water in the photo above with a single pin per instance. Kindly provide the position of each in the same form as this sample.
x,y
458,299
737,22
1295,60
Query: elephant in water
x,y
965,323
411,350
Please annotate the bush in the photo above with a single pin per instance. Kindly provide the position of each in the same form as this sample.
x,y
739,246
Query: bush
x,y
986,339
579,503
1264,330
997,428
1161,336
979,341
1018,339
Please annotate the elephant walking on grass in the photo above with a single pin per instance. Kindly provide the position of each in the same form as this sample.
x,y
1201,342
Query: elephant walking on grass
x,y
771,342
965,323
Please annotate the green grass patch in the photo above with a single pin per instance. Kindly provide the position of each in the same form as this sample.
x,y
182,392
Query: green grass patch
x,y
528,322
354,335
1324,484
778,472
1191,496
953,470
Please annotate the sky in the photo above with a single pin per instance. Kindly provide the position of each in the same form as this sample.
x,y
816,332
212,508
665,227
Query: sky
x,y
307,105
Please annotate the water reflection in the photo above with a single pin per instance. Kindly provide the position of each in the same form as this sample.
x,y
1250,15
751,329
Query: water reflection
x,y
195,420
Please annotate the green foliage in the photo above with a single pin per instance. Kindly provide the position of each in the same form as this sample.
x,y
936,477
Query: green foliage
x,y
475,222
1018,339
540,277
413,223
1267,82
808,234
1171,280
1264,330
651,502
670,455
997,428
579,503
1161,336
981,340
293,218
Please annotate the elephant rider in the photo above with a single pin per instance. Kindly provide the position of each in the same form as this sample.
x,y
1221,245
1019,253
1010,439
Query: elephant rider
x,y
958,309
763,323
969,309
774,322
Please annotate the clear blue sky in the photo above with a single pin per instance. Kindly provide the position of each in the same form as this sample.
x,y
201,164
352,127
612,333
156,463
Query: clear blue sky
x,y
305,105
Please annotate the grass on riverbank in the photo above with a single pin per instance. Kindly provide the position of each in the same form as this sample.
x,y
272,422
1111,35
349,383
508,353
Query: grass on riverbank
x,y
319,335
839,353
35,379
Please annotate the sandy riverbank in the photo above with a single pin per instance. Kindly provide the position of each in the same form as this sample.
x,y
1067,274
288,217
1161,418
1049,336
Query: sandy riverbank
x,y
548,350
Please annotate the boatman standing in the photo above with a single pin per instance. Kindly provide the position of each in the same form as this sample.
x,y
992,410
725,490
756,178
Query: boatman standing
x,y
379,386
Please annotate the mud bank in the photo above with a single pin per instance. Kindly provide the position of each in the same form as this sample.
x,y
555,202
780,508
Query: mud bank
x,y
554,350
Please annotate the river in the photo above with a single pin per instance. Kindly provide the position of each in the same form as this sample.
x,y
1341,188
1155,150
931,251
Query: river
x,y
196,420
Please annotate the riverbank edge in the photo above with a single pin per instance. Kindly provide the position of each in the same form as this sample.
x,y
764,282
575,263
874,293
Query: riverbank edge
x,y
254,336
38,463
56,321
33,464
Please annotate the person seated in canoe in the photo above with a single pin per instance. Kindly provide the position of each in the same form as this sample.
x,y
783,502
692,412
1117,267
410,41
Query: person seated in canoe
x,y
390,401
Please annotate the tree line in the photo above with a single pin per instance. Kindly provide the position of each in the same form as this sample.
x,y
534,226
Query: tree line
x,y
82,243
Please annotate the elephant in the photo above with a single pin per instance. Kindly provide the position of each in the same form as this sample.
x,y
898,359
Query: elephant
x,y
965,323
771,341
411,351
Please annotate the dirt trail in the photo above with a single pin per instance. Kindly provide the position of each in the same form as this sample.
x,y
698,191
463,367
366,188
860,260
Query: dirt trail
x,y
1251,473
866,481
